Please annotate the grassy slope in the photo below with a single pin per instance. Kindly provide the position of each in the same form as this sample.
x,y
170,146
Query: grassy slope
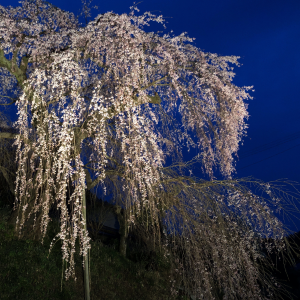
x,y
27,273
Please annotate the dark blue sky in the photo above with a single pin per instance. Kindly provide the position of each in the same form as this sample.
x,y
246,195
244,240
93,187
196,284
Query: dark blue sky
x,y
265,34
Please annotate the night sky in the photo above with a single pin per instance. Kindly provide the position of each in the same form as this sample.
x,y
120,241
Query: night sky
x,y
265,34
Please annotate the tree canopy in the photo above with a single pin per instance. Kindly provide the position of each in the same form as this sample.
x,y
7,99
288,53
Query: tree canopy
x,y
115,92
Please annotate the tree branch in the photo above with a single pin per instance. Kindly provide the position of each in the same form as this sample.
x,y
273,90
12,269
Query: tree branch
x,y
13,100
8,135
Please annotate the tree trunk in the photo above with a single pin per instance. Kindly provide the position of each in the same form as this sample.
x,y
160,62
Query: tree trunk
x,y
122,230
123,241
86,261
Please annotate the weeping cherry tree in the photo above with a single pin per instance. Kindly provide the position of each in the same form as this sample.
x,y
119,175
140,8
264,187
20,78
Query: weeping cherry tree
x,y
119,91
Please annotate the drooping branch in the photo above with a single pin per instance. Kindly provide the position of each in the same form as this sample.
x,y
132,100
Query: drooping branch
x,y
13,100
